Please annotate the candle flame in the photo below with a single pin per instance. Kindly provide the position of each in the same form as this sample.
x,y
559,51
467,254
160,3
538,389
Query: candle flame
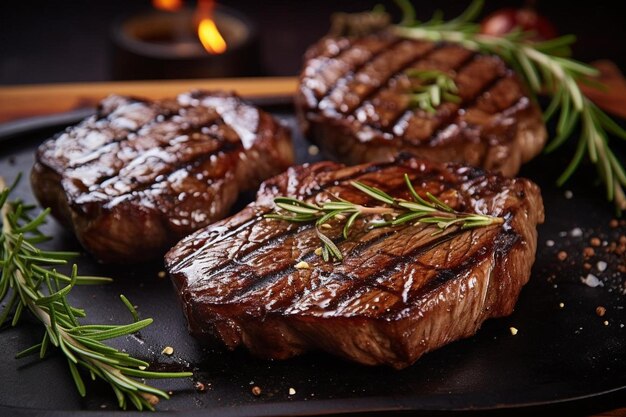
x,y
211,37
167,5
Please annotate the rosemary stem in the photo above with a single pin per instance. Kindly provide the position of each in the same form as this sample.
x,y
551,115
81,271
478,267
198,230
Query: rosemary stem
x,y
25,270
375,210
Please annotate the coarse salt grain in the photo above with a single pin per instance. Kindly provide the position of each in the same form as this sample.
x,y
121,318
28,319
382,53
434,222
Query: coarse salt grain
x,y
549,243
561,305
313,150
592,281
601,265
292,391
568,194
513,330
576,232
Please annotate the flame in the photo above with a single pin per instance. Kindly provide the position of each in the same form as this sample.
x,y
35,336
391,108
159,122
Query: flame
x,y
210,37
168,5
208,33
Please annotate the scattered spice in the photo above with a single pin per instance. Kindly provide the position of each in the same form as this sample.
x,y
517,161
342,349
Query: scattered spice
x,y
168,350
319,251
302,265
594,241
613,223
600,311
326,226
592,281
561,305
549,243
313,150
152,399
199,386
601,265
292,391
161,274
588,252
513,330
568,194
587,266
256,391
562,255
606,322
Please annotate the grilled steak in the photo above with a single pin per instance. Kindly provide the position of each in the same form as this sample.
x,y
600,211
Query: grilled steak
x,y
398,293
136,177
353,101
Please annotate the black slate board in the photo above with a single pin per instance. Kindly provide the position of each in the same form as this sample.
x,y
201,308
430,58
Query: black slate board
x,y
561,359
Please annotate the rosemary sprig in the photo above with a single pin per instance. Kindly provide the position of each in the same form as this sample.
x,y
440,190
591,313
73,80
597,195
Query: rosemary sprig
x,y
435,87
429,211
30,281
546,68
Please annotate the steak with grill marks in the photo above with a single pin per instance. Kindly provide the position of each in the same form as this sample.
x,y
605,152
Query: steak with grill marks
x,y
353,101
139,175
398,293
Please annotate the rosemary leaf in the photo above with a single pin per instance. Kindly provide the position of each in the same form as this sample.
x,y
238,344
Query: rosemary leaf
x,y
430,211
546,69
30,284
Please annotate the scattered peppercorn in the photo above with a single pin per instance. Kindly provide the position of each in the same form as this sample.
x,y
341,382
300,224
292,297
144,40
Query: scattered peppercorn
x,y
199,386
588,252
256,391
600,311
594,241
562,255
613,223
587,266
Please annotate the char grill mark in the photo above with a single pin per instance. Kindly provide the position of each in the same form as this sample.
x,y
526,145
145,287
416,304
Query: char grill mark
x,y
158,170
154,152
357,87
474,79
287,229
260,272
384,109
350,60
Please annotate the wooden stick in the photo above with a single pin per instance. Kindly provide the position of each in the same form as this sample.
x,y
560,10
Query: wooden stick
x,y
18,102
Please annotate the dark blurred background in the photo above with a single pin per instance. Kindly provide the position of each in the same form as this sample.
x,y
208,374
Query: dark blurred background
x,y
44,41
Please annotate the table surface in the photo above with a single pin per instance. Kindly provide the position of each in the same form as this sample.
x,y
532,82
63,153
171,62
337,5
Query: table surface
x,y
22,102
